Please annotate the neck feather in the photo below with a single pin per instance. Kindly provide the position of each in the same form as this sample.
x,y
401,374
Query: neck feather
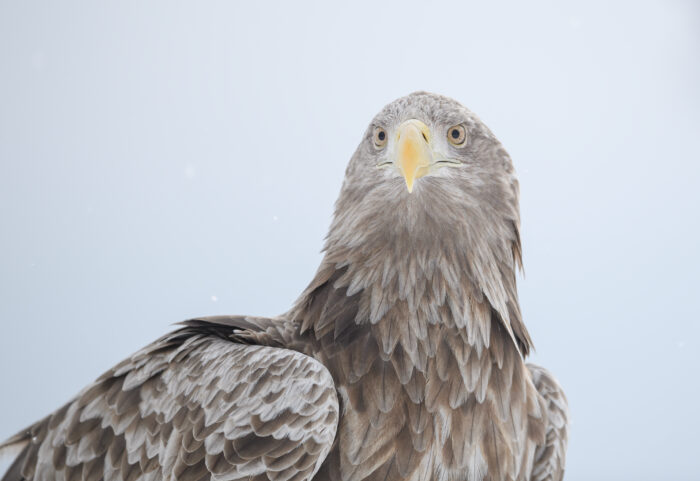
x,y
433,276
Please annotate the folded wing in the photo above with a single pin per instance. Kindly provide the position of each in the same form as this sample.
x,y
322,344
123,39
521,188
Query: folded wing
x,y
550,457
189,405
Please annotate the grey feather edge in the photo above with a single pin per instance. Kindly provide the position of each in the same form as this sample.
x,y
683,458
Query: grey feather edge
x,y
188,404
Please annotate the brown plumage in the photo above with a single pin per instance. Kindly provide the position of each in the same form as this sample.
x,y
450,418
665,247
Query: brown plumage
x,y
402,360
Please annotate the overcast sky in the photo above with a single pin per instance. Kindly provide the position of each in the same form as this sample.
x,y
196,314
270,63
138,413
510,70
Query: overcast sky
x,y
160,161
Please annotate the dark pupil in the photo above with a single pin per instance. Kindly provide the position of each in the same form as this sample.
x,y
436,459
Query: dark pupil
x,y
381,135
455,133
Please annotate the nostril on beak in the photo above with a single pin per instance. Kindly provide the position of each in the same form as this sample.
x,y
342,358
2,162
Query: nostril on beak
x,y
424,137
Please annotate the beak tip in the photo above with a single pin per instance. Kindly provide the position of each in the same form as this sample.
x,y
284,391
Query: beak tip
x,y
409,186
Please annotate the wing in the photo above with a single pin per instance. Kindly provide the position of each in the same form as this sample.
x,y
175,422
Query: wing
x,y
550,457
189,406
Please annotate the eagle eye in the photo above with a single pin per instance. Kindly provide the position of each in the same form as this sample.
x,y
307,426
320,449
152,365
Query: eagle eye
x,y
380,137
457,135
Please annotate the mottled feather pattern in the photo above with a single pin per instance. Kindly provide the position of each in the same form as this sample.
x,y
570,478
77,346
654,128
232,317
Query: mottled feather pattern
x,y
437,399
550,456
189,406
403,360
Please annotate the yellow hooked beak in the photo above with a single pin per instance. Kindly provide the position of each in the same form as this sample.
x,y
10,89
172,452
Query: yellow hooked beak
x,y
413,153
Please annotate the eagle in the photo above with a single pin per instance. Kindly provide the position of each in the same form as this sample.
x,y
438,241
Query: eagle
x,y
403,359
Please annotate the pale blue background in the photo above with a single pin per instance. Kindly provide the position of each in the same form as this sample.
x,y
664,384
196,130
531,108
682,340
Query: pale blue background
x,y
161,160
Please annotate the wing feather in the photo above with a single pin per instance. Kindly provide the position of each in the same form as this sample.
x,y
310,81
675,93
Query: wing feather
x,y
191,404
550,456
